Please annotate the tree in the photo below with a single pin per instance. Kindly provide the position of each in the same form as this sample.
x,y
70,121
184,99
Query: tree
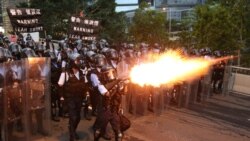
x,y
113,24
186,29
57,12
214,28
148,26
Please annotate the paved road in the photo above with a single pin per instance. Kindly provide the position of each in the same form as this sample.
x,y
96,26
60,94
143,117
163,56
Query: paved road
x,y
218,119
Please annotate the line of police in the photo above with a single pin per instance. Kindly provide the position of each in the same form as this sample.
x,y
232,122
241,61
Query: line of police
x,y
87,73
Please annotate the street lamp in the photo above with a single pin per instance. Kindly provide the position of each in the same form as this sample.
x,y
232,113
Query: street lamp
x,y
168,10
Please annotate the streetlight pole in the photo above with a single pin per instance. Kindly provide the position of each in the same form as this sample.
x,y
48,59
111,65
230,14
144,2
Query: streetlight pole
x,y
169,21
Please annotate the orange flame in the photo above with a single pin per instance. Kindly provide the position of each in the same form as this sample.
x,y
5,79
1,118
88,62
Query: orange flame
x,y
168,68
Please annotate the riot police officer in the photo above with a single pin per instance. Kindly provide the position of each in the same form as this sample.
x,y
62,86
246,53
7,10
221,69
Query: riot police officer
x,y
28,38
49,44
74,87
39,49
109,103
101,79
15,50
21,41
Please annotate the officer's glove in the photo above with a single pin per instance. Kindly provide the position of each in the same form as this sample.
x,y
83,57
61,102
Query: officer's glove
x,y
107,94
62,99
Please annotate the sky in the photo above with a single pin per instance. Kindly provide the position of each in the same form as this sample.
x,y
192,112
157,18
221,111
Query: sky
x,y
126,1
126,8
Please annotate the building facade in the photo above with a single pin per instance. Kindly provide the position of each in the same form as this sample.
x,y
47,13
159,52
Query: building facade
x,y
177,9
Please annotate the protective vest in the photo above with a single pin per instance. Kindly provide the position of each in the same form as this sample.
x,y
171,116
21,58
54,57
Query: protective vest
x,y
74,87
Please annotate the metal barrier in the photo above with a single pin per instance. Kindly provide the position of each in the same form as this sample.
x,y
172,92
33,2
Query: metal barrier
x,y
236,80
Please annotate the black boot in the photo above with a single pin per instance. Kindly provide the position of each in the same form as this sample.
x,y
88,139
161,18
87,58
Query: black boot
x,y
118,137
86,113
97,135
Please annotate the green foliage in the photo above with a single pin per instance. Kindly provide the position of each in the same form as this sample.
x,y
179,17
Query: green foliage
x,y
185,28
149,26
214,28
112,24
56,13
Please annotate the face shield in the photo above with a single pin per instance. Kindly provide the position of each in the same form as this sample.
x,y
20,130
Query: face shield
x,y
100,60
93,47
90,56
29,53
84,51
30,44
130,56
15,48
80,62
108,73
113,54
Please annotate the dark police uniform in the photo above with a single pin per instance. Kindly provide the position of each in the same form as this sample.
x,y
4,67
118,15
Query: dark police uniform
x,y
74,89
108,107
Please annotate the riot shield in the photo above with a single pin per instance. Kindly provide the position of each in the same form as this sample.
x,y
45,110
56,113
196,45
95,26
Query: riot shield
x,y
14,102
206,86
2,70
123,72
138,99
226,81
156,103
182,98
194,91
38,97
166,90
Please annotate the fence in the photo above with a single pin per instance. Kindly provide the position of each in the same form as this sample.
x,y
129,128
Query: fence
x,y
237,80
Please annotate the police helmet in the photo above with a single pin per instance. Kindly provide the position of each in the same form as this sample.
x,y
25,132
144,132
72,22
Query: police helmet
x,y
30,44
93,47
144,51
217,53
112,54
6,39
108,73
100,60
79,60
103,43
28,53
130,46
15,48
48,38
105,51
50,54
28,37
40,47
84,51
129,53
90,56
78,44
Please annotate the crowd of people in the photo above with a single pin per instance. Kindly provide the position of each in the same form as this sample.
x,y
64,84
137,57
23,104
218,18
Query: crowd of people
x,y
87,74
